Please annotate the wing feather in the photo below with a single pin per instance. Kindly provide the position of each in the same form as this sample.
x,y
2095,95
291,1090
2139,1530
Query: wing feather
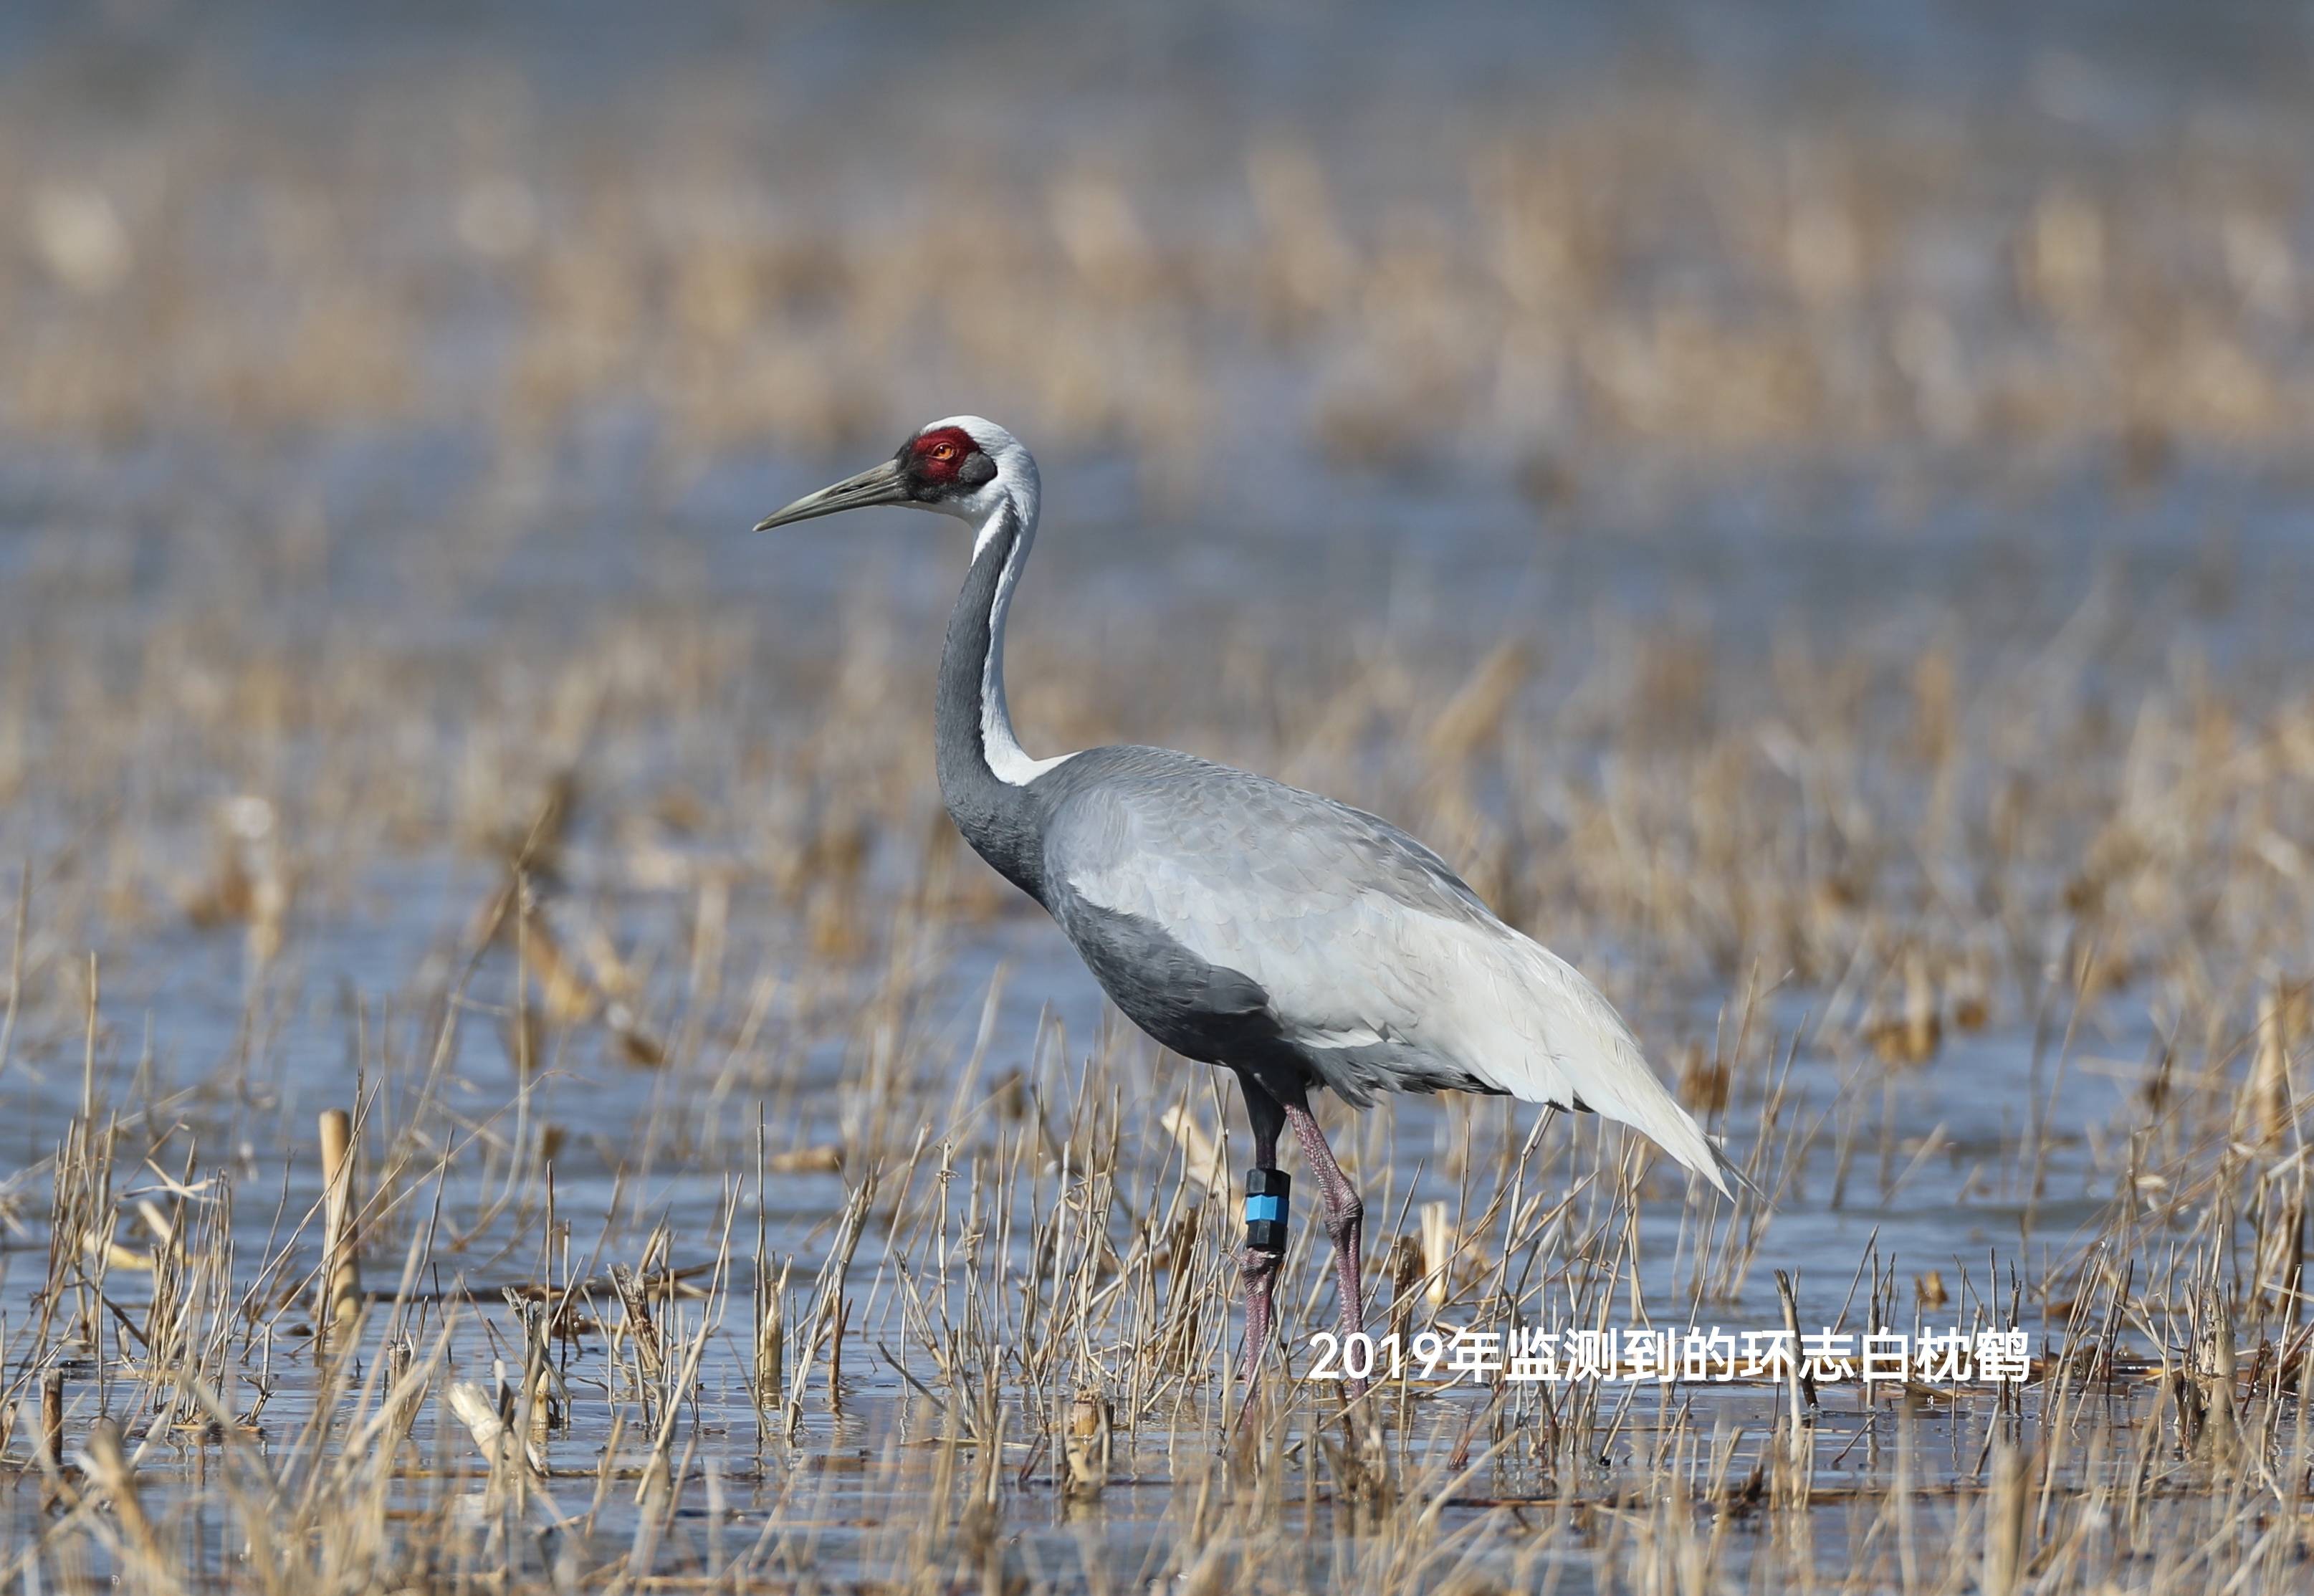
x,y
1369,947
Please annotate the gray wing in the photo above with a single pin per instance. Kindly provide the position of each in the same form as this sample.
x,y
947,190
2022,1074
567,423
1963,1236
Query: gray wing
x,y
1378,963
1216,839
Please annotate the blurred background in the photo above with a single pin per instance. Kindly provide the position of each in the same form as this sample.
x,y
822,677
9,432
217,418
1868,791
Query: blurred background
x,y
1805,505
1768,284
1767,487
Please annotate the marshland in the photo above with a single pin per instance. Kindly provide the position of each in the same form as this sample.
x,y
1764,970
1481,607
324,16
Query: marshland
x,y
509,1080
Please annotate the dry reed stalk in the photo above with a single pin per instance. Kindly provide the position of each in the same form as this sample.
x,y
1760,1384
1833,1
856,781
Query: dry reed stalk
x,y
494,1436
1201,1155
1087,1445
828,1313
2223,1431
52,1422
342,1300
108,1469
2005,1513
1799,1435
1044,1254
1438,1252
2267,1111
16,966
771,1339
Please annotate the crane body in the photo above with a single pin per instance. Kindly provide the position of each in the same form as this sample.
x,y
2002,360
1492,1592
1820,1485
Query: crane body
x,y
1242,923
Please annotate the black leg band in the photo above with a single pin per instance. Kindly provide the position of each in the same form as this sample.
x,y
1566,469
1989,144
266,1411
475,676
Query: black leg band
x,y
1267,1192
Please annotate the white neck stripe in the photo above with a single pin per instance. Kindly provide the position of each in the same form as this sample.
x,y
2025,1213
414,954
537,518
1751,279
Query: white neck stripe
x,y
1007,761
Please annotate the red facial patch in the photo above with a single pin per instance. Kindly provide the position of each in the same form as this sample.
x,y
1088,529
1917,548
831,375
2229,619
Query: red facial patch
x,y
939,453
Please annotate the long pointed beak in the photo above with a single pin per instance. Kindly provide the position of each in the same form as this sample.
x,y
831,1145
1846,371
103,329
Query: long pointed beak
x,y
878,484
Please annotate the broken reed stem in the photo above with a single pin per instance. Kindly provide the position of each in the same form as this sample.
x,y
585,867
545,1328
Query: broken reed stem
x,y
341,1259
2266,1107
771,1342
2224,1426
496,1439
1798,1439
1437,1252
52,1421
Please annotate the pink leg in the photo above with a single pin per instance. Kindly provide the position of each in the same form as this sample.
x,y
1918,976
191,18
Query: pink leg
x,y
1257,1272
1345,1222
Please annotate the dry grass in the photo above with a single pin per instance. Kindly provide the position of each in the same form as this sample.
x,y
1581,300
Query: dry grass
x,y
1643,264
686,994
744,1190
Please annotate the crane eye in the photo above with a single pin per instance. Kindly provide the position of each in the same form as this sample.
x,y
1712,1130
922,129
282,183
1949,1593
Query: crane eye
x,y
943,452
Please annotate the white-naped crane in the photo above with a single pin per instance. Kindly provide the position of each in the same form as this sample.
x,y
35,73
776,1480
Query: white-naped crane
x,y
1297,941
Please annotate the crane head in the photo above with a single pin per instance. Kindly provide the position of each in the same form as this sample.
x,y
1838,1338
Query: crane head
x,y
959,467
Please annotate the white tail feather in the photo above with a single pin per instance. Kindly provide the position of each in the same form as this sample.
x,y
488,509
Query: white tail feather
x,y
1544,1034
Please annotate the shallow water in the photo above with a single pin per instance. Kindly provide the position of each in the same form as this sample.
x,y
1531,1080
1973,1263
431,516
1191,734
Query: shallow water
x,y
168,593
843,1493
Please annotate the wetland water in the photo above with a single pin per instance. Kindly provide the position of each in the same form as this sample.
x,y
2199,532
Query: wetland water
x,y
827,1024
1908,728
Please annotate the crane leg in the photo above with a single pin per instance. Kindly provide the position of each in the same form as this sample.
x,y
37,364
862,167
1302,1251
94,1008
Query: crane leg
x,y
1346,1216
1258,1264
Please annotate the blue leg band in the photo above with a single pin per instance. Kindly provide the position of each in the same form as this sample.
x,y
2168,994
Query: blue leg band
x,y
1266,1195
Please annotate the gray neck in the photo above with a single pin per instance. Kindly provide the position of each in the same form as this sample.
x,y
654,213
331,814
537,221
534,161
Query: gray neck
x,y
990,803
